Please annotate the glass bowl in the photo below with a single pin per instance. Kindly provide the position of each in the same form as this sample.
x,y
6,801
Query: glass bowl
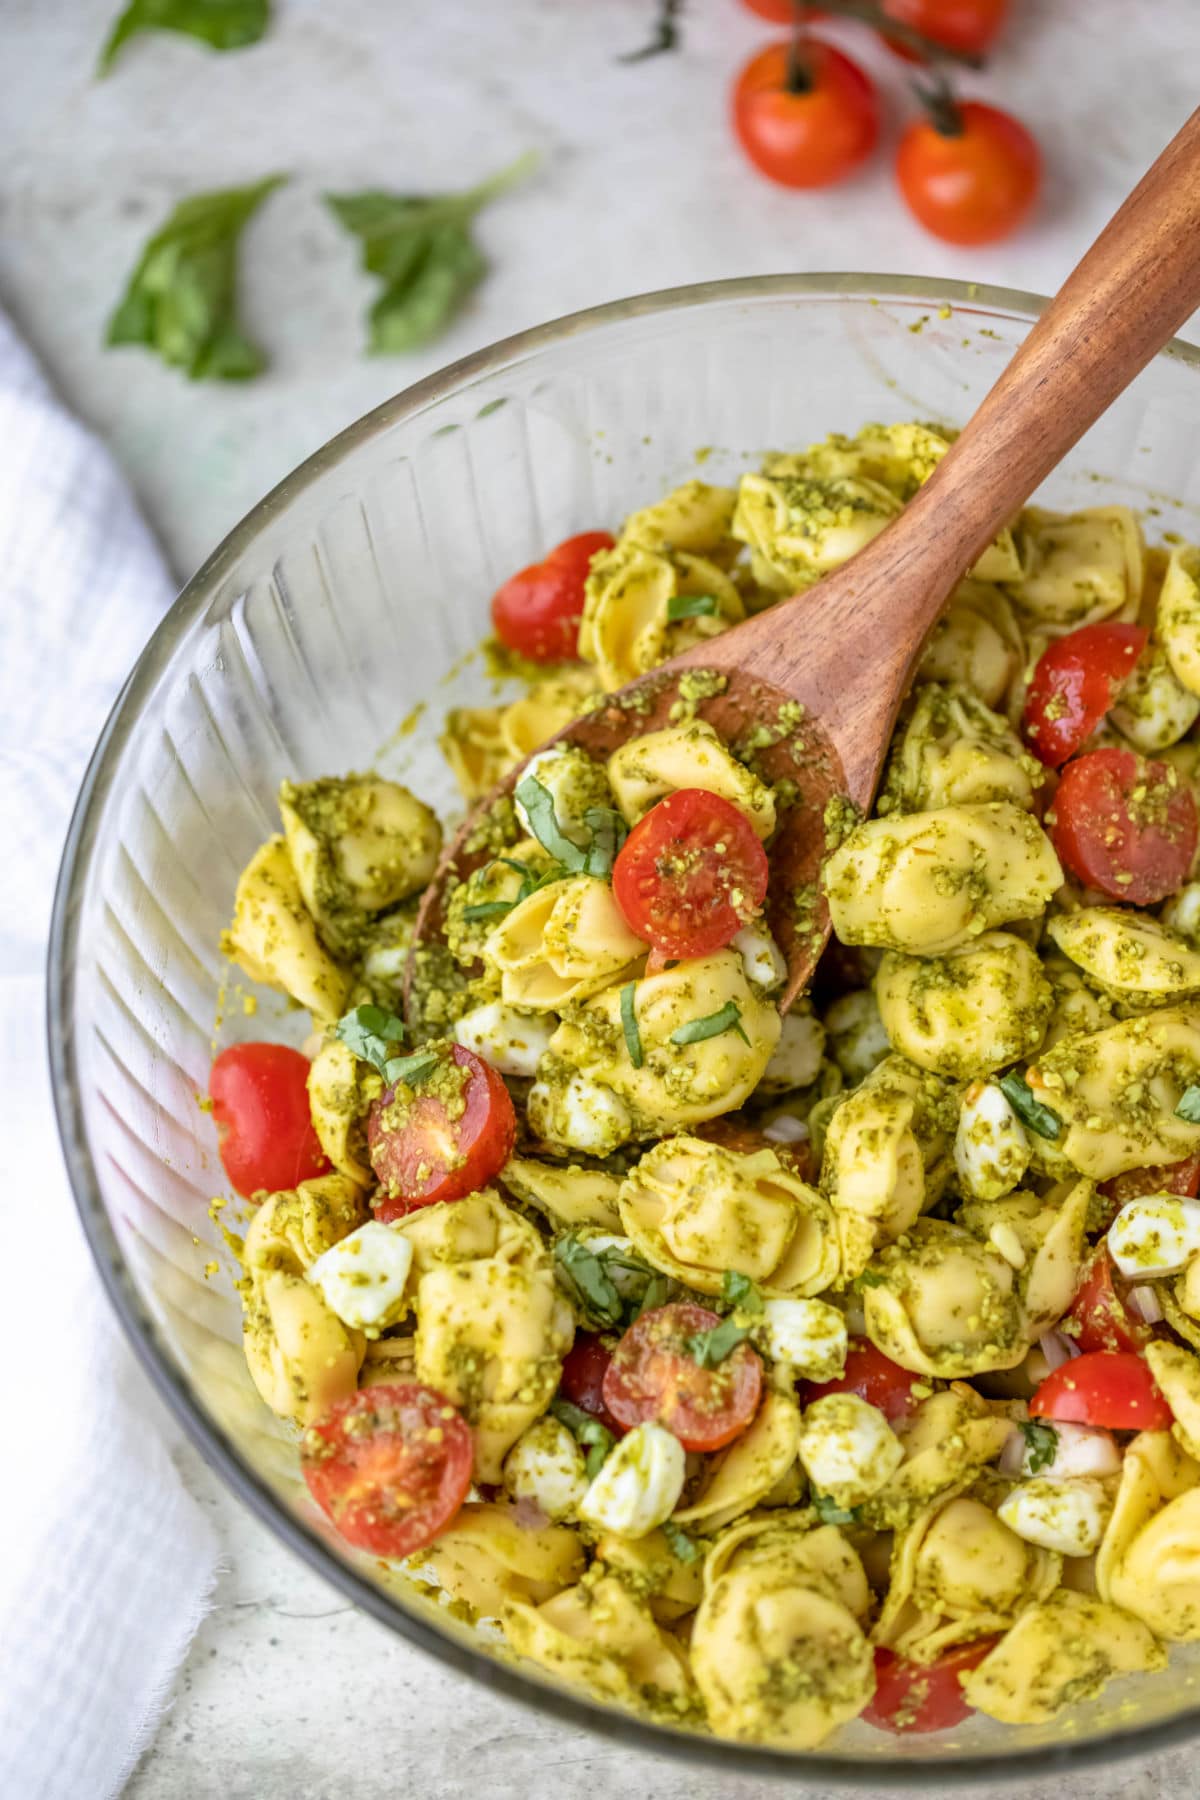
x,y
329,632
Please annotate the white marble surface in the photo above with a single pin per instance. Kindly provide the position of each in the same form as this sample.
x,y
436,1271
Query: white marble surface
x,y
287,1691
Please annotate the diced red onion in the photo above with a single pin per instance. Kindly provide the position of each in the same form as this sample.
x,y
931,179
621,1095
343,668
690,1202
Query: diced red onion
x,y
1057,1349
1144,1301
786,1129
1012,1458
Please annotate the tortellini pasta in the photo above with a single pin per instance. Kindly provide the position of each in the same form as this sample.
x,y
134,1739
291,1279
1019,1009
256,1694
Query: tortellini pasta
x,y
274,937
948,1441
627,625
563,943
1064,1649
695,1211
602,1638
952,750
977,642
1178,615
1129,956
969,1011
490,1558
930,881
1154,710
799,527
693,517
691,755
946,1304
1080,567
482,743
340,1089
1149,1562
750,1470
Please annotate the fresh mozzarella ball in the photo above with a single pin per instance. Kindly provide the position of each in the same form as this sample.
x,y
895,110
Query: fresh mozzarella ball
x,y
857,1038
796,1059
991,1146
761,956
1079,1450
512,1041
362,1278
583,1115
639,1485
547,1466
1157,1234
1065,1516
1182,910
573,781
786,1129
808,1335
848,1449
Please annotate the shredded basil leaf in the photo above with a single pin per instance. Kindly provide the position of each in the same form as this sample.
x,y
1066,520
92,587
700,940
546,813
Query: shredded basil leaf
x,y
421,246
222,24
739,1291
372,1033
590,1433
870,1278
709,1348
692,606
608,832
1042,1120
588,1281
1189,1105
629,1024
181,300
410,1069
486,909
1041,1443
655,1294
728,1018
538,802
683,1548
830,1513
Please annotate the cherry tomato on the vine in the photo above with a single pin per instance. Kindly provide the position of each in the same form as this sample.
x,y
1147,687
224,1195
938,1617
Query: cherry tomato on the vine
x,y
971,26
690,874
391,1466
259,1095
449,1139
537,611
874,1377
1112,1388
655,1376
912,1696
1077,679
1102,1320
973,184
1124,825
805,126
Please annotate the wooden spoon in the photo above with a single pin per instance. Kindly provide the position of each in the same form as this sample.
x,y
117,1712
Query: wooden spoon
x,y
846,649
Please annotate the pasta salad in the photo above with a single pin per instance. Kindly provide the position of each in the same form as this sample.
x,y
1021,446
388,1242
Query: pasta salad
x,y
760,1373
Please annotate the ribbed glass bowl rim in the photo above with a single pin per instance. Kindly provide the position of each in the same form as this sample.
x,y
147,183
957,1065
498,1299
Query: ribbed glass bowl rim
x,y
81,846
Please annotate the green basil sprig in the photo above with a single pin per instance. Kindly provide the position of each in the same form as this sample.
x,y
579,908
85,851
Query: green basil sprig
x,y
221,24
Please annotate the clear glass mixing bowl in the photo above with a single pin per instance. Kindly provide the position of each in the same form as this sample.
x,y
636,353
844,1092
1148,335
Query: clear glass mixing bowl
x,y
331,615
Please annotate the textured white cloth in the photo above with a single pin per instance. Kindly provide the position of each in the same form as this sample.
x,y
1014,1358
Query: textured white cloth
x,y
105,1561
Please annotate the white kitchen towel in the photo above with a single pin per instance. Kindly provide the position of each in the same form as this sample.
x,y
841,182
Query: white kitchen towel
x,y
106,1563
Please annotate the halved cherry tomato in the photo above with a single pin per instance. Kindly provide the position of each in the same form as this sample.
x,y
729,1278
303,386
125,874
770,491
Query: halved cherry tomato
x,y
259,1096
972,185
537,611
391,1466
1102,1320
447,1141
653,1376
807,135
873,1377
690,874
1113,1388
1124,825
1162,1178
911,1696
971,26
582,1382
1077,679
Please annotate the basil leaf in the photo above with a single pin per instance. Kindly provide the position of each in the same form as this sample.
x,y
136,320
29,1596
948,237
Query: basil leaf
x,y
608,832
870,1278
420,245
709,1348
739,1291
589,1282
372,1033
729,1018
683,1548
1041,1442
486,909
1189,1106
222,24
629,1024
692,606
1042,1120
592,1434
181,298
654,1294
830,1513
410,1069
538,802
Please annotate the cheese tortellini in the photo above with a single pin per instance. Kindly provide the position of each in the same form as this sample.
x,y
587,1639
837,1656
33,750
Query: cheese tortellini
x,y
629,1248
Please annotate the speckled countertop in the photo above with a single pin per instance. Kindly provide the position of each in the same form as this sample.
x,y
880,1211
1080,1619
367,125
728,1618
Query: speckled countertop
x,y
288,1694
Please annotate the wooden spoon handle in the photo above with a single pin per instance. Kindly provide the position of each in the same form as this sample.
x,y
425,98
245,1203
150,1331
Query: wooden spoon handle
x,y
1130,293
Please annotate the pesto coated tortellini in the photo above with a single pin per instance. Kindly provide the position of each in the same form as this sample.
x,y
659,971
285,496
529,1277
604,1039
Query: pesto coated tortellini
x,y
977,642
599,1636
489,1557
1178,616
695,1210
952,750
686,756
930,881
799,527
1149,1561
564,942
969,1011
627,628
1081,567
482,743
1129,956
274,937
1064,1649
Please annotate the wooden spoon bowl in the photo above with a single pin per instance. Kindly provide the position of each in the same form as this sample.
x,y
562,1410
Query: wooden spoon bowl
x,y
842,654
